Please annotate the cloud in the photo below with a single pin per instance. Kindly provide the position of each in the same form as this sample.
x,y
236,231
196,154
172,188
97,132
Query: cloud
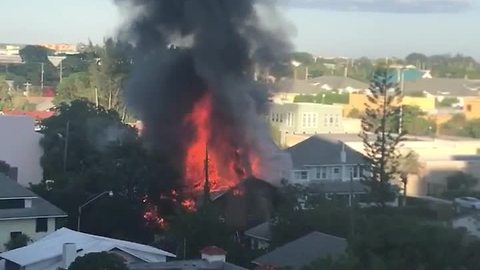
x,y
393,6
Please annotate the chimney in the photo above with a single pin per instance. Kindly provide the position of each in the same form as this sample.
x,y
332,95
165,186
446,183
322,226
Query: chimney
x,y
213,254
69,254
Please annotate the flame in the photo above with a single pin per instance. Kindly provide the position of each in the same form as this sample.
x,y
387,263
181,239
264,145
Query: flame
x,y
189,205
226,166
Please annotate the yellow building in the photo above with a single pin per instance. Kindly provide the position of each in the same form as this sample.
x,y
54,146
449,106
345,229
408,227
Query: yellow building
x,y
358,101
471,107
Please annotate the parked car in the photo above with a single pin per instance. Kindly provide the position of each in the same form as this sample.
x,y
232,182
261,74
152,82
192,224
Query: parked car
x,y
468,202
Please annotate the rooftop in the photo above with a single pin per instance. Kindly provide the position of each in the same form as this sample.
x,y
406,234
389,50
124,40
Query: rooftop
x,y
186,265
261,231
323,150
39,208
318,84
50,247
304,251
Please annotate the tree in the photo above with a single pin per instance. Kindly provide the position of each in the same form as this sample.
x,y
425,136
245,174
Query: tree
x,y
33,58
75,86
381,145
110,73
17,242
102,154
414,122
99,261
5,95
355,113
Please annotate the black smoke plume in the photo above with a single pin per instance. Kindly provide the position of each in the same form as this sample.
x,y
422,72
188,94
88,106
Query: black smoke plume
x,y
186,48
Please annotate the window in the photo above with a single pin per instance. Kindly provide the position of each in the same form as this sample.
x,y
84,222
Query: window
x,y
356,170
469,107
12,204
14,235
321,173
41,225
304,120
336,170
301,175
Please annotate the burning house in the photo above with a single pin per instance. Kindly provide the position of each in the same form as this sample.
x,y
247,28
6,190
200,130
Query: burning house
x,y
193,85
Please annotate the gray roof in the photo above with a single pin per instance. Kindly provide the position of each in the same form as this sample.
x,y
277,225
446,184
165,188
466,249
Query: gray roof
x,y
304,251
338,187
11,189
261,231
40,207
322,150
444,87
186,264
314,86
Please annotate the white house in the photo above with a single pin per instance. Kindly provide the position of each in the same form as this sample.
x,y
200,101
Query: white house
x,y
20,148
61,248
324,159
23,212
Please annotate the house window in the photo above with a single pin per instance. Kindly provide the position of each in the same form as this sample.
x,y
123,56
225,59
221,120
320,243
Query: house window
x,y
41,225
331,120
356,170
321,173
336,170
469,108
14,235
301,175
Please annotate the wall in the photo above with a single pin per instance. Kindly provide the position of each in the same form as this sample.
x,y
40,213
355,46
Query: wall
x,y
26,226
306,118
471,107
20,147
358,101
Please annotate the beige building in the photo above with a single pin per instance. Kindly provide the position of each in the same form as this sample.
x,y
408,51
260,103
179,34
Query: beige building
x,y
23,212
306,118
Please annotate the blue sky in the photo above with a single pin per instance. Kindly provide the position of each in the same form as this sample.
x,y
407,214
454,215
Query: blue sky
x,y
350,28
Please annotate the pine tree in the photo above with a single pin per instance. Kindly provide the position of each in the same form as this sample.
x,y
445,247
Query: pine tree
x,y
380,142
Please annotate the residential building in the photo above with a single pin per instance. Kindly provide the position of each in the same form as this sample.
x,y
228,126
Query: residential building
x,y
213,258
260,236
59,249
471,107
250,202
304,251
20,148
359,101
23,212
288,89
324,158
438,158
306,118
443,87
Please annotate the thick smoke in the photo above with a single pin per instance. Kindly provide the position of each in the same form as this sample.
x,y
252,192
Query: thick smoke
x,y
186,48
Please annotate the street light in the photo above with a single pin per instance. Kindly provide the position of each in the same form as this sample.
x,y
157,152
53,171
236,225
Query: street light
x,y
110,193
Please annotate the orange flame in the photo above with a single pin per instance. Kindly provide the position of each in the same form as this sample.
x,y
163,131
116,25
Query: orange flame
x,y
225,168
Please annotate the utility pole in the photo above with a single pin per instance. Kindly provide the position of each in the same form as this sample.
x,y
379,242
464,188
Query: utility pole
x,y
65,148
96,97
206,186
42,73
402,85
61,71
